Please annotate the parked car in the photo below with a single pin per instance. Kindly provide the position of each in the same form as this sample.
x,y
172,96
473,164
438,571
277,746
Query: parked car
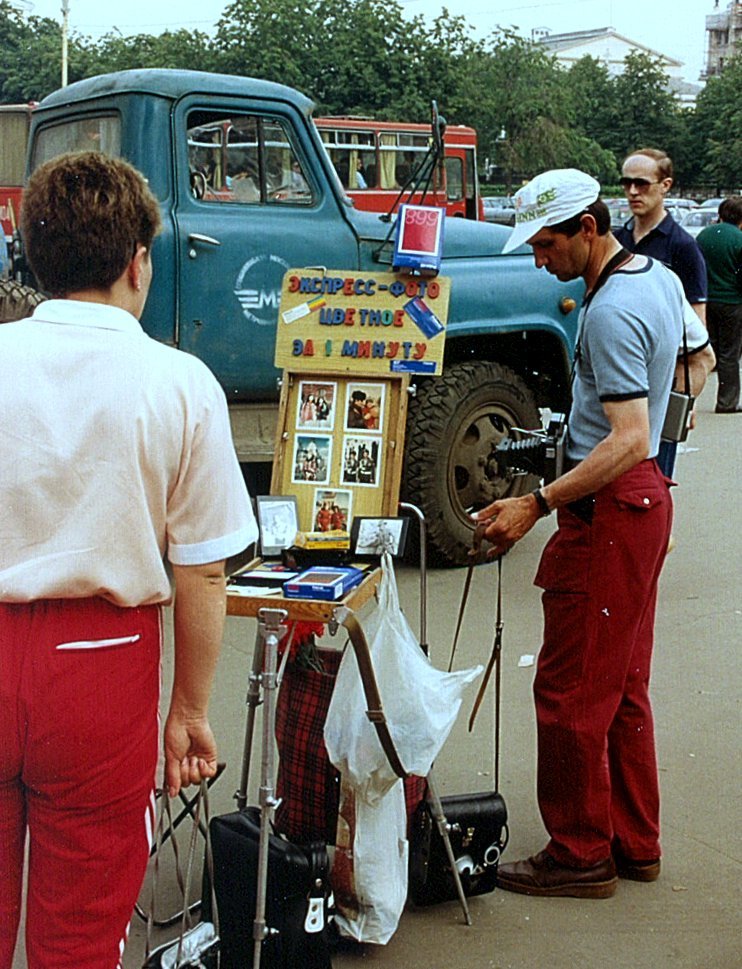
x,y
620,212
712,204
698,219
680,207
500,209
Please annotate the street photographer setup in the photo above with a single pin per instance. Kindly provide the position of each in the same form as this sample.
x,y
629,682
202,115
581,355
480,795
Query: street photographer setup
x,y
348,825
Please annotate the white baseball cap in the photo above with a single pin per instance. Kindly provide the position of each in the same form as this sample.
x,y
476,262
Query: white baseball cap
x,y
548,199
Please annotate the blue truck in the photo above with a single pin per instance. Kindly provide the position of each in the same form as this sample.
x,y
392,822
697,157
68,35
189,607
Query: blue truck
x,y
248,190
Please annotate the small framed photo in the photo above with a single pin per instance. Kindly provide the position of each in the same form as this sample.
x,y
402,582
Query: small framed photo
x,y
331,510
374,536
361,461
312,455
364,407
315,406
278,519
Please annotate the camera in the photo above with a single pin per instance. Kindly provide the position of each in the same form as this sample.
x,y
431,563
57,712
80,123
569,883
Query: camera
x,y
541,453
678,417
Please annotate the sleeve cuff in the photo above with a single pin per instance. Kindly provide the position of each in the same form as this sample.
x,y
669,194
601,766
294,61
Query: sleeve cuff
x,y
215,549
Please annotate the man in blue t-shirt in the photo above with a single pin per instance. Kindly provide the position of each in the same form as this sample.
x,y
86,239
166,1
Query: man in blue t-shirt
x,y
597,772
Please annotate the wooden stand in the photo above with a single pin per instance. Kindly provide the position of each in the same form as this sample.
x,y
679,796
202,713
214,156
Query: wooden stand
x,y
272,613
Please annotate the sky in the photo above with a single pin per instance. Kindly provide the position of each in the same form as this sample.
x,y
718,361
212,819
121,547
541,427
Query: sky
x,y
672,27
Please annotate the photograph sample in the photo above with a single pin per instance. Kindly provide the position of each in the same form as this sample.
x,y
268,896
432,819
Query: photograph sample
x,y
361,461
311,462
364,409
315,407
331,510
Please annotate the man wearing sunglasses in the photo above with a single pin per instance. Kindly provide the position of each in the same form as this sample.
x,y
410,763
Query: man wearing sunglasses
x,y
647,177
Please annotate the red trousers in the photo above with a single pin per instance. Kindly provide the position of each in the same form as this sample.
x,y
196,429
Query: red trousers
x,y
79,694
597,769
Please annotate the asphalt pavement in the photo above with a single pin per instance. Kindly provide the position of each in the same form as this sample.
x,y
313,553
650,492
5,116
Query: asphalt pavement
x,y
690,918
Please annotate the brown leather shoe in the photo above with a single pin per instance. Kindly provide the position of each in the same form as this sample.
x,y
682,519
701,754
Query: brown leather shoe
x,y
637,871
542,875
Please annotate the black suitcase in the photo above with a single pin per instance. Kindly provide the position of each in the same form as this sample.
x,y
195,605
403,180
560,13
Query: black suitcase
x,y
477,828
296,900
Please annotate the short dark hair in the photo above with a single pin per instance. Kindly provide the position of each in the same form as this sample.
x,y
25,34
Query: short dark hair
x,y
83,216
599,211
730,209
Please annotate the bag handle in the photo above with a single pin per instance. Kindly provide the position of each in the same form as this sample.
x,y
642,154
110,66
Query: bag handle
x,y
475,556
184,884
374,712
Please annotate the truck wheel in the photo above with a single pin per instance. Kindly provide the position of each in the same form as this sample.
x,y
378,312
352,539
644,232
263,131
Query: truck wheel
x,y
17,301
454,425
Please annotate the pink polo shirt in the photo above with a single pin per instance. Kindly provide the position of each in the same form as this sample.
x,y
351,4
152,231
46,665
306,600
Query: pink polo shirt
x,y
115,451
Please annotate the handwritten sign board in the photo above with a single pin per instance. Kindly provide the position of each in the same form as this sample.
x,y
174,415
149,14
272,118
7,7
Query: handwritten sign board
x,y
364,323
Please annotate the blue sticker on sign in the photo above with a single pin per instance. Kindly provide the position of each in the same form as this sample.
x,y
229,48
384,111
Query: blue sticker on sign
x,y
421,314
412,366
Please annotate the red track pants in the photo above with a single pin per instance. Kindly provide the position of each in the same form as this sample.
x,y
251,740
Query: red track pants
x,y
597,768
79,693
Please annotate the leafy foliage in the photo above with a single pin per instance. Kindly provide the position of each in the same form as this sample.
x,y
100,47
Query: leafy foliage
x,y
364,57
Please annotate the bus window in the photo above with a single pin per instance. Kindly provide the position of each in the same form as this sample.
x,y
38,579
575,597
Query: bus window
x,y
374,160
454,179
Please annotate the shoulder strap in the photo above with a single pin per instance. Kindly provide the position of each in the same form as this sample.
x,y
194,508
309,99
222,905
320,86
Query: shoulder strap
x,y
375,713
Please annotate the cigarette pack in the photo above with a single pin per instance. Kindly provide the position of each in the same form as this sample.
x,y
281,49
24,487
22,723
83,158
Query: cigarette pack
x,y
323,582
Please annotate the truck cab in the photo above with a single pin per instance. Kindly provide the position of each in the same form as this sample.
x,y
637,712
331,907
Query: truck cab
x,y
248,190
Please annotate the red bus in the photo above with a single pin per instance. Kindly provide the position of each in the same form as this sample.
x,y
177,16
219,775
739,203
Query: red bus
x,y
15,120
374,159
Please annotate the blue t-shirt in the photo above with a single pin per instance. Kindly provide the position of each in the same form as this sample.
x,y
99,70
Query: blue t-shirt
x,y
628,346
672,245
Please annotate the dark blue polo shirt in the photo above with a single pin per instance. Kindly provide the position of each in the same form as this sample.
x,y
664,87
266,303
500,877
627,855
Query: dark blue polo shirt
x,y
671,244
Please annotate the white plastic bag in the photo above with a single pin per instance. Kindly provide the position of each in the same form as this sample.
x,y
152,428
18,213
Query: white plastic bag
x,y
420,702
369,870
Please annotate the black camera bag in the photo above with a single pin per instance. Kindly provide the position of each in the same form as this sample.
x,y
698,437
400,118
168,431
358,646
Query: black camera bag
x,y
477,828
297,896
476,823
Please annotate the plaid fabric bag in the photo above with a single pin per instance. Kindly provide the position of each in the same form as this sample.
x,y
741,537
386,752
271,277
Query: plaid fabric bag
x,y
307,783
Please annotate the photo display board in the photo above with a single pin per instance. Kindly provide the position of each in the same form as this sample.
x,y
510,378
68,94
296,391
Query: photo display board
x,y
362,323
340,446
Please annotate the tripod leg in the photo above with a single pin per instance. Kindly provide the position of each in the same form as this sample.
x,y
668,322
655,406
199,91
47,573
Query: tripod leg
x,y
270,631
436,809
253,702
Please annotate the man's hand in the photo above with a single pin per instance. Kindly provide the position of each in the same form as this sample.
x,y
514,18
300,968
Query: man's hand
x,y
190,751
509,520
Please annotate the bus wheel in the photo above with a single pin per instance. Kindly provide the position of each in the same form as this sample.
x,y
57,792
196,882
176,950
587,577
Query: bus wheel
x,y
17,301
454,424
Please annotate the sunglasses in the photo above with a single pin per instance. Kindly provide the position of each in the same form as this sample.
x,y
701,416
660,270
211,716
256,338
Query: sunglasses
x,y
639,183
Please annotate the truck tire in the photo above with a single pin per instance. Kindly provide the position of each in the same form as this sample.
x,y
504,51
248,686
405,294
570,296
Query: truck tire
x,y
17,301
454,424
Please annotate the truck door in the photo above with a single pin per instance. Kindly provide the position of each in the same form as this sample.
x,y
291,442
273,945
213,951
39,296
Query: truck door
x,y
252,202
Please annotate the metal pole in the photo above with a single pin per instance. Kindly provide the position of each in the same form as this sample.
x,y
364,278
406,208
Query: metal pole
x,y
407,506
65,27
271,630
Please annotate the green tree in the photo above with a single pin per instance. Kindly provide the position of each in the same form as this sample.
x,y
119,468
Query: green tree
x,y
594,107
183,49
31,55
719,119
648,112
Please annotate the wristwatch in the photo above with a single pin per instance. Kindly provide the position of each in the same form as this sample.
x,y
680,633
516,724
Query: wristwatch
x,y
543,505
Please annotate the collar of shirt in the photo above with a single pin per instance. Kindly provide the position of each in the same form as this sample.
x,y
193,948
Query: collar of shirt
x,y
665,226
75,312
